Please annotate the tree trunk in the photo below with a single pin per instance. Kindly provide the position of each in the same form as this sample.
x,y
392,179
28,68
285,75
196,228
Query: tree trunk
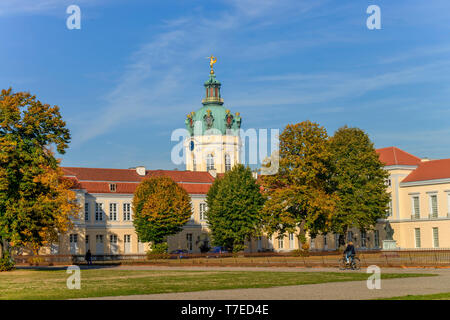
x,y
1,248
301,236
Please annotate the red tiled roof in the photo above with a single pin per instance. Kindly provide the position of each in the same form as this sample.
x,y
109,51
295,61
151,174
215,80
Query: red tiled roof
x,y
97,180
430,170
394,156
130,175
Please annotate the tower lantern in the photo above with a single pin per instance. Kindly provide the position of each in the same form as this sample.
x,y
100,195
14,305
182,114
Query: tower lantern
x,y
214,143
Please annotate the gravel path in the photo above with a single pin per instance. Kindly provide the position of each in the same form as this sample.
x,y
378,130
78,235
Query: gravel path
x,y
324,291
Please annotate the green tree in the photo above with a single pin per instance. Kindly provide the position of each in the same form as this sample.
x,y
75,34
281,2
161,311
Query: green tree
x,y
234,208
300,199
162,208
35,200
359,181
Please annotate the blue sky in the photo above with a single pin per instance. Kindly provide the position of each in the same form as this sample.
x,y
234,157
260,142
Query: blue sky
x,y
128,78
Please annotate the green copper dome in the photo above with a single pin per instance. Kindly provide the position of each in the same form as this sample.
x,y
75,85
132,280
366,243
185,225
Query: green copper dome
x,y
213,118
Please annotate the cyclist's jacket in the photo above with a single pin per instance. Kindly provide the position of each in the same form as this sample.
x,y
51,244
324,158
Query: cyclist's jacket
x,y
350,248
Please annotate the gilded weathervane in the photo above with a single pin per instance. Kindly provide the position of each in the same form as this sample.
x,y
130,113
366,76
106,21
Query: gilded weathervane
x,y
212,60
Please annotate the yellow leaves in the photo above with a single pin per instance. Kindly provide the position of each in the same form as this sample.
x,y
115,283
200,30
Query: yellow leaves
x,y
298,193
161,207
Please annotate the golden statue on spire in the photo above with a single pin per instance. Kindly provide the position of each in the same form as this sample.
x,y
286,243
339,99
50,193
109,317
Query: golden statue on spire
x,y
212,60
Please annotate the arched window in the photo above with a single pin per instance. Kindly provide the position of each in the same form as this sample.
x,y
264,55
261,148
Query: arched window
x,y
210,162
227,162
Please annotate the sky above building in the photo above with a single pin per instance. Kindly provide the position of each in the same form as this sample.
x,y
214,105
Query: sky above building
x,y
126,80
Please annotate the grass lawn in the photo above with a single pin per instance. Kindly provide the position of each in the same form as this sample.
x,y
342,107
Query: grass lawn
x,y
51,284
437,296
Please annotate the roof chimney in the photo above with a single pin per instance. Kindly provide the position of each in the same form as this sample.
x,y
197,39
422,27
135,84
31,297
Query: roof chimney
x,y
140,170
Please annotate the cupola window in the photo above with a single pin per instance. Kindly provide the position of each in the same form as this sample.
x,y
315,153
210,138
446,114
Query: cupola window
x,y
227,162
210,162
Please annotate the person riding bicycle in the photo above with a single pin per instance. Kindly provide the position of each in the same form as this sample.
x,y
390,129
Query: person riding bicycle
x,y
350,251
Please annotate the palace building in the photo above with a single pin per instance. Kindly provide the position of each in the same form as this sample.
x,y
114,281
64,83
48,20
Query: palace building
x,y
105,225
419,211
420,199
419,215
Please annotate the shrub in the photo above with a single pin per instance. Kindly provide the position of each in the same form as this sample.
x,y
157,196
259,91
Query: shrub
x,y
35,261
300,253
204,247
6,263
158,251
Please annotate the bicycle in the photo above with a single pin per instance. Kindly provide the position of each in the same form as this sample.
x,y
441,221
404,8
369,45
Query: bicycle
x,y
355,263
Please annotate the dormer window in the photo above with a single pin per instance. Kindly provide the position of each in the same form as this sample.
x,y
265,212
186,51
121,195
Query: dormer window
x,y
112,187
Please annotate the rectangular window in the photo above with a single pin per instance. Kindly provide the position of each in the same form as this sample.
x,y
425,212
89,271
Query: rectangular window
x,y
435,238
113,211
227,162
336,240
189,241
209,162
281,243
448,205
127,238
291,241
99,238
313,243
203,211
376,237
325,242
98,211
86,211
73,238
112,187
113,238
363,239
390,208
417,236
433,206
349,236
416,207
127,212
192,212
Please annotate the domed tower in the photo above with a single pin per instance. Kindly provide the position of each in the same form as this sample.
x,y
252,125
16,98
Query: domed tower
x,y
214,142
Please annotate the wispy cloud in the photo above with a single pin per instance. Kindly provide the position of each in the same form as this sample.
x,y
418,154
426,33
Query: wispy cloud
x,y
304,89
158,75
159,83
429,51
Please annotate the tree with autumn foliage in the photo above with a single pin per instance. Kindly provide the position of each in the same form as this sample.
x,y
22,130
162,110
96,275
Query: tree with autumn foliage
x,y
161,207
234,208
35,200
358,179
300,197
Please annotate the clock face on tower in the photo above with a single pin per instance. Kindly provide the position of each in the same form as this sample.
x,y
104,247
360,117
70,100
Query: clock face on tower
x,y
191,146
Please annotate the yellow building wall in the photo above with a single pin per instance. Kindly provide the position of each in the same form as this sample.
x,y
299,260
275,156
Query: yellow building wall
x,y
405,225
217,145
121,227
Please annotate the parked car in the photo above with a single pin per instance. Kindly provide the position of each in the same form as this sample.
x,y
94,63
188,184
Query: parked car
x,y
215,252
179,254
